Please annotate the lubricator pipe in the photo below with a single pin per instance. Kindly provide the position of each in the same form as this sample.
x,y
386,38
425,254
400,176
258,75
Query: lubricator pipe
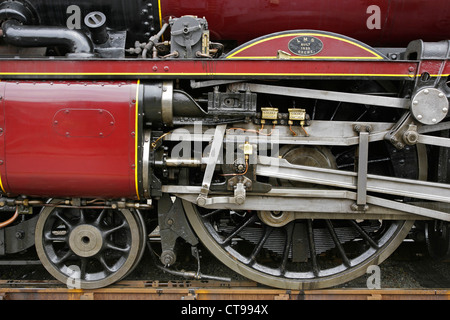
x,y
11,220
75,41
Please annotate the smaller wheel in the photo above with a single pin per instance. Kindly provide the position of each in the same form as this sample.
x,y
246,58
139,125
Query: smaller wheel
x,y
89,248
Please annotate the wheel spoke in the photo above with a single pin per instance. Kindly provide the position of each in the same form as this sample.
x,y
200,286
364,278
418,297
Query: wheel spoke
x,y
49,236
82,217
312,248
60,259
337,243
100,217
364,234
68,224
116,248
287,246
262,241
114,229
209,214
239,228
105,265
83,266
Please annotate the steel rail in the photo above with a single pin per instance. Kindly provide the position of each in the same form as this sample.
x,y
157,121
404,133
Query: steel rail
x,y
195,290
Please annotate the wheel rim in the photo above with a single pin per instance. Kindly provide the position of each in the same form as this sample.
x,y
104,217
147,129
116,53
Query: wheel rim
x,y
248,259
89,247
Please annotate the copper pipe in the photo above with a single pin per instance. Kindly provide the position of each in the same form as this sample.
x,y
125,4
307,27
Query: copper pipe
x,y
13,218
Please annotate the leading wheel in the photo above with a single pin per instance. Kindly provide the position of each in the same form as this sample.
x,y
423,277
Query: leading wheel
x,y
89,248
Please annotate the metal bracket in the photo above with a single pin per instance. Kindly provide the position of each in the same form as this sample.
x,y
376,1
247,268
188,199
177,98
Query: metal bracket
x,y
173,224
216,148
395,135
363,158
408,131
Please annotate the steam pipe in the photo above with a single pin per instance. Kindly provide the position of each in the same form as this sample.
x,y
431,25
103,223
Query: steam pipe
x,y
153,40
15,10
11,220
39,36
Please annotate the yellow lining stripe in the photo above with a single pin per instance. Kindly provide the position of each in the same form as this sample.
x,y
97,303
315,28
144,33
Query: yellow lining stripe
x,y
160,18
304,58
136,132
1,185
306,34
160,14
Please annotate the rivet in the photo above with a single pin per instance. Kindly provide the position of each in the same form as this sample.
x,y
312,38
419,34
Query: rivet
x,y
419,116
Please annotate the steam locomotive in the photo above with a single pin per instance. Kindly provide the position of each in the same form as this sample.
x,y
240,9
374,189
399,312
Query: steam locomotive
x,y
300,142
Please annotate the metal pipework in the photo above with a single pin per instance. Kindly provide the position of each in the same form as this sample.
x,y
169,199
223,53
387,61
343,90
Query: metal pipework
x,y
75,41
96,22
15,10
180,162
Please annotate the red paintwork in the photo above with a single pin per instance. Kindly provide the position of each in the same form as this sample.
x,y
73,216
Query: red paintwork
x,y
68,139
433,67
401,20
203,69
